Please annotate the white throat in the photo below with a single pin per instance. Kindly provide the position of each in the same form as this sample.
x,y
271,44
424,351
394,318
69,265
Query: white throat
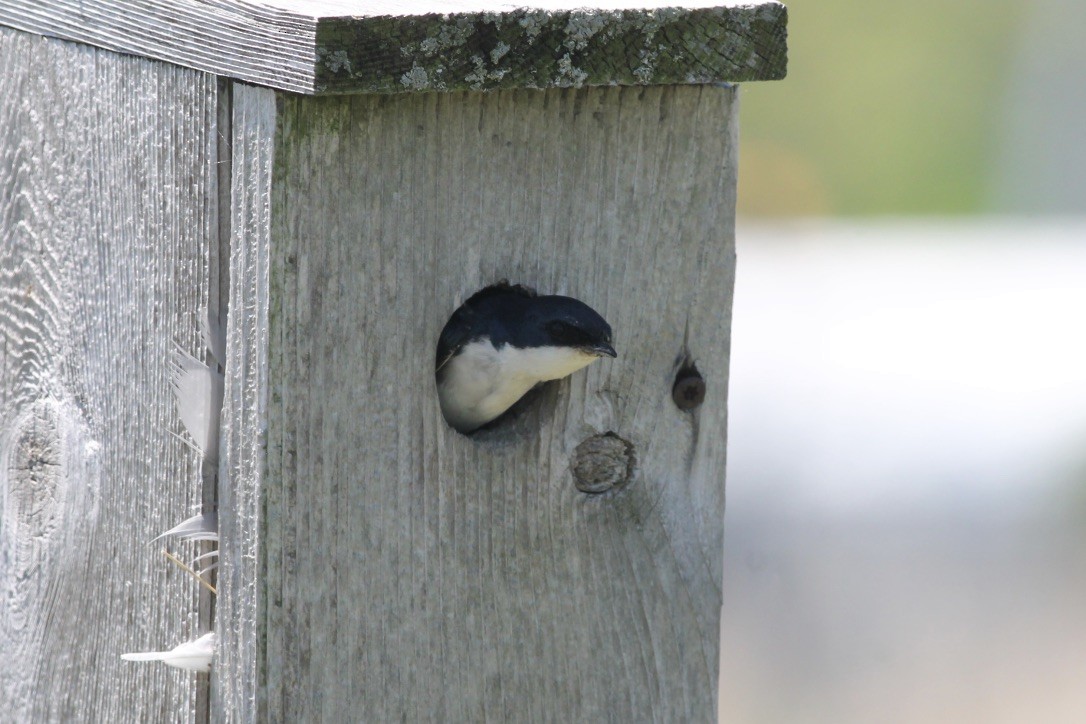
x,y
482,382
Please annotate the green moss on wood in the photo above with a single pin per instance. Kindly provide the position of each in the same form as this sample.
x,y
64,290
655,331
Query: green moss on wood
x,y
545,49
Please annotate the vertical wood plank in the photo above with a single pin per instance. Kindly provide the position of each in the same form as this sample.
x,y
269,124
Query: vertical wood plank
x,y
413,573
239,686
106,219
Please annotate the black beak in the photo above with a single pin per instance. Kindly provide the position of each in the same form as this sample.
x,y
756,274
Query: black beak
x,y
603,348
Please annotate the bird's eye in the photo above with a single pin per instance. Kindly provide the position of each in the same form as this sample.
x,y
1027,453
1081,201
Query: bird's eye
x,y
566,334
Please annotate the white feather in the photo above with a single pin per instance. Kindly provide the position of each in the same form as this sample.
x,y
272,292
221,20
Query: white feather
x,y
191,655
214,338
210,555
204,526
198,391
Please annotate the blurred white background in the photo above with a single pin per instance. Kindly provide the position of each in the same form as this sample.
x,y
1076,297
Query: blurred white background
x,y
906,515
905,534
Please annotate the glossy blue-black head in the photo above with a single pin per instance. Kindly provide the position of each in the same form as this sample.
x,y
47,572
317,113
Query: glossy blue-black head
x,y
515,315
555,321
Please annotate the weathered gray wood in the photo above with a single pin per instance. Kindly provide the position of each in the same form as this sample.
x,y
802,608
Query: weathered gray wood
x,y
397,569
337,46
241,624
106,220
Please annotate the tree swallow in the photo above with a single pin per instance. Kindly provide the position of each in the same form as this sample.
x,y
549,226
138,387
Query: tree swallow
x,y
505,340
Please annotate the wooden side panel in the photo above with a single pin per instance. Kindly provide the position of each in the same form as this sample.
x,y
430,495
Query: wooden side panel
x,y
237,684
413,573
106,218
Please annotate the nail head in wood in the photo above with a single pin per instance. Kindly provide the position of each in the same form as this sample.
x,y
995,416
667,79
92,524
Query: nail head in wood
x,y
689,389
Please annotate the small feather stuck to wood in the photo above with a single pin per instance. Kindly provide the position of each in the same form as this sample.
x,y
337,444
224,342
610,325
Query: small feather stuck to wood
x,y
210,555
198,391
214,337
188,569
203,526
190,656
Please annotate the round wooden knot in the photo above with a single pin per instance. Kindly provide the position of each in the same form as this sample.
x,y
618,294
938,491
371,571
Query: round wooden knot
x,y
689,389
35,472
602,463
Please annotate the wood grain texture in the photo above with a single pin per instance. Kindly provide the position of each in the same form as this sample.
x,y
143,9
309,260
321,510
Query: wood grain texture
x,y
106,172
390,47
415,574
237,685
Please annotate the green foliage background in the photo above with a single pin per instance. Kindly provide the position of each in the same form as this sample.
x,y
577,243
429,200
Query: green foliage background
x,y
888,108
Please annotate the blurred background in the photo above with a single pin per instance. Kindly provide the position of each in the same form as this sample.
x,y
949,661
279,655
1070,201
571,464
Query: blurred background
x,y
905,535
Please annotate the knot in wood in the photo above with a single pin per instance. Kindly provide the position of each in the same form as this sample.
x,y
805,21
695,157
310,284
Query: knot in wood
x,y
602,462
34,455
